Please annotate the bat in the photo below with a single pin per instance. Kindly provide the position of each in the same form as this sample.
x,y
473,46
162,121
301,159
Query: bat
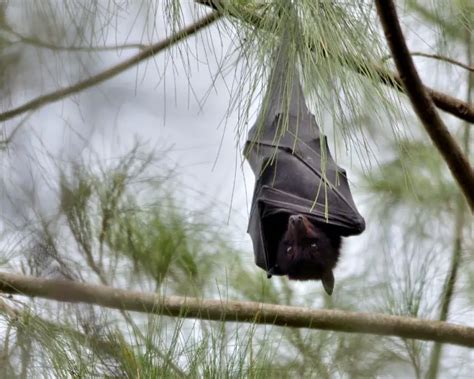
x,y
301,197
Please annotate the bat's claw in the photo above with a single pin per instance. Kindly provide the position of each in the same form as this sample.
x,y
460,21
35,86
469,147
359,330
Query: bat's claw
x,y
271,271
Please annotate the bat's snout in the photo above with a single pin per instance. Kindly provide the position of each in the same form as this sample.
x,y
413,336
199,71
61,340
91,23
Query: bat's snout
x,y
296,220
300,227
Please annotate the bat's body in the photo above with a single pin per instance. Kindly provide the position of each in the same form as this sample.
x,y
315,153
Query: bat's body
x,y
302,203
307,252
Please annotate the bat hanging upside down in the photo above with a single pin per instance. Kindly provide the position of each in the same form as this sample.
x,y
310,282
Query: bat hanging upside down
x,y
302,203
307,252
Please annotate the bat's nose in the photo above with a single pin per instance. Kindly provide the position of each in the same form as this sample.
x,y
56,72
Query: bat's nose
x,y
296,219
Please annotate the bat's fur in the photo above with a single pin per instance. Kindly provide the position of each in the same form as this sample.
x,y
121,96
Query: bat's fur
x,y
308,252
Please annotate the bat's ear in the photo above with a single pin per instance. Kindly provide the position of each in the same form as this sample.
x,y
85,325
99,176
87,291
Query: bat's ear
x,y
328,282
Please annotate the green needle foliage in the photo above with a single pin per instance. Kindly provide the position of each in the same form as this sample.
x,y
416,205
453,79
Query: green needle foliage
x,y
452,18
416,177
109,222
330,43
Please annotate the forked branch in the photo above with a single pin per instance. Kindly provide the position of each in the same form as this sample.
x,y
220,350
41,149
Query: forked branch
x,y
422,102
456,107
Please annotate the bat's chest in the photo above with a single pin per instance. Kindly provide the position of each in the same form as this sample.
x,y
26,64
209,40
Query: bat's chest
x,y
287,173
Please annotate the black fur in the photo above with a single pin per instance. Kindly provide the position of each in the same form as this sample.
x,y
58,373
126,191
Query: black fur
x,y
308,251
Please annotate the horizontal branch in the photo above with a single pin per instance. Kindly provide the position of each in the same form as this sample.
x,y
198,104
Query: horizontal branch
x,y
224,310
445,102
112,71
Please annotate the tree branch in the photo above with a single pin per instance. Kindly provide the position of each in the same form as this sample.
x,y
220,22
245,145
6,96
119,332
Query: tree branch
x,y
112,71
437,57
442,58
423,104
445,102
37,42
223,310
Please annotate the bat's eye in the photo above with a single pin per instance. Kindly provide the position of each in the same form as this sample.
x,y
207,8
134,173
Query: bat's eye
x,y
288,250
314,245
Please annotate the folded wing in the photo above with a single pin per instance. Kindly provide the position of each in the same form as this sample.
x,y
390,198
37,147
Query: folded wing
x,y
295,172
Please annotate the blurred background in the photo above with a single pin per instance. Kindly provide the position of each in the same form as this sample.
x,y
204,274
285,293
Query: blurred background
x,y
139,182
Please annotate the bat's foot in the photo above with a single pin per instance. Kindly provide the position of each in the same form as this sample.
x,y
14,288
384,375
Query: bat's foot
x,y
271,271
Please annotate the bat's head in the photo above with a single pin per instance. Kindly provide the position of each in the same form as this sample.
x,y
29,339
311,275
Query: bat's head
x,y
308,252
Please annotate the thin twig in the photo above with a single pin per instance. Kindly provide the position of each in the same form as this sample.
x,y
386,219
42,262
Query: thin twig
x,y
36,42
444,59
46,45
9,138
447,103
437,57
112,71
423,104
226,310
